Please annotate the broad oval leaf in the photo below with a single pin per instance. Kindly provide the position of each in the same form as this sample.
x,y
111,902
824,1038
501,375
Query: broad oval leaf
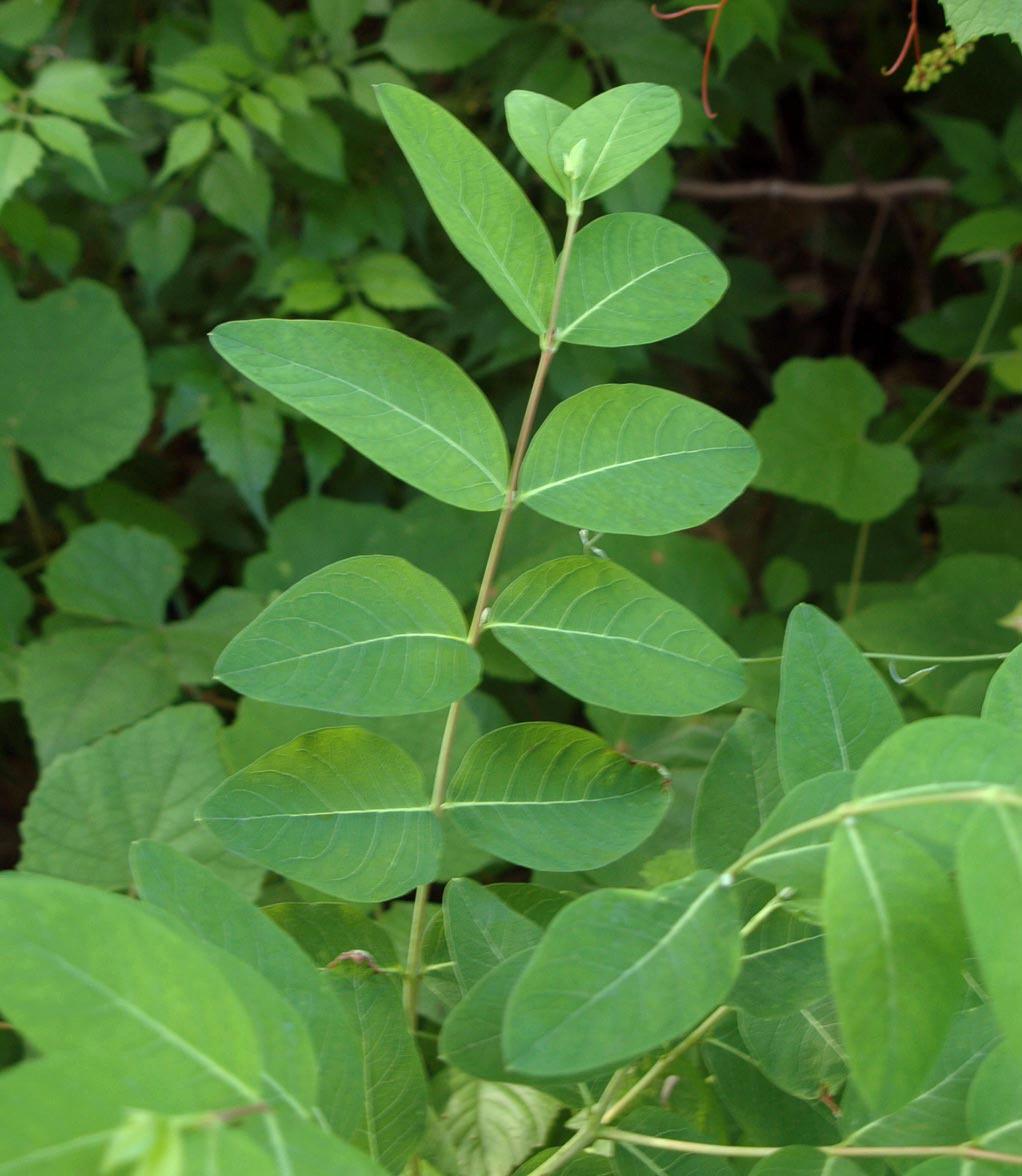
x,y
606,637
834,708
371,635
340,809
482,209
618,131
636,278
1003,701
620,972
552,797
635,460
895,953
402,403
531,120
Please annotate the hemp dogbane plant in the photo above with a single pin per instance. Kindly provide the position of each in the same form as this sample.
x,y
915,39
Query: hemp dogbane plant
x,y
832,951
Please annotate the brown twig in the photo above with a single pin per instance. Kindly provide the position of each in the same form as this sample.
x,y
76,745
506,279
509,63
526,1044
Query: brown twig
x,y
911,42
775,188
718,10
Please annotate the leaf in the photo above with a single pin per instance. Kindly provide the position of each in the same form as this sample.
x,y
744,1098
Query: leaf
x,y
114,573
340,809
217,914
237,194
243,441
993,229
158,244
994,1106
427,36
552,797
393,281
193,645
531,120
314,142
620,972
834,709
79,345
481,208
25,21
405,405
635,460
895,952
147,781
368,635
482,931
978,18
631,1159
492,1127
636,278
82,683
619,130
989,861
1003,701
188,143
20,155
779,978
470,1037
605,637
737,793
814,444
86,970
805,1161
70,139
78,89
800,1052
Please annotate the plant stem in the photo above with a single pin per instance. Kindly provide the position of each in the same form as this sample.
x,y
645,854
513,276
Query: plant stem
x,y
548,347
936,659
974,357
858,566
35,521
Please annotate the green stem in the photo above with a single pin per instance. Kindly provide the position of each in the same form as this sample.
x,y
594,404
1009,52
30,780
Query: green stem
x,y
961,1151
858,567
935,659
975,356
548,347
35,520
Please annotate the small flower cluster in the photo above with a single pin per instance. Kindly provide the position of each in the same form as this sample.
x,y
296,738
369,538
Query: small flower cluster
x,y
932,66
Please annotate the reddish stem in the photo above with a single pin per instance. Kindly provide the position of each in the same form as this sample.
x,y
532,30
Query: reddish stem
x,y
911,42
717,9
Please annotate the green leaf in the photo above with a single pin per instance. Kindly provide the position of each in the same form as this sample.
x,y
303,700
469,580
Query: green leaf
x,y
992,230
480,206
552,797
193,645
90,805
635,460
895,952
470,1038
482,931
989,863
79,345
737,793
114,573
80,684
605,637
1003,701
68,138
636,278
440,35
25,21
188,143
158,243
805,1161
78,89
262,113
814,444
618,131
834,709
531,120
979,18
243,441
340,809
994,1107
239,195
620,972
631,1159
368,635
236,135
405,405
779,978
20,155
89,970
393,281
800,1052
314,142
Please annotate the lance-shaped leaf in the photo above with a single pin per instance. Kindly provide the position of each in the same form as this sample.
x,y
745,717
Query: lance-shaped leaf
x,y
609,136
606,637
482,209
636,278
340,809
371,635
834,708
620,972
990,883
636,460
552,797
401,403
895,952
531,120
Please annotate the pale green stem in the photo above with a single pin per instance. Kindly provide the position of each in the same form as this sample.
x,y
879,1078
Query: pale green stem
x,y
926,658
858,567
